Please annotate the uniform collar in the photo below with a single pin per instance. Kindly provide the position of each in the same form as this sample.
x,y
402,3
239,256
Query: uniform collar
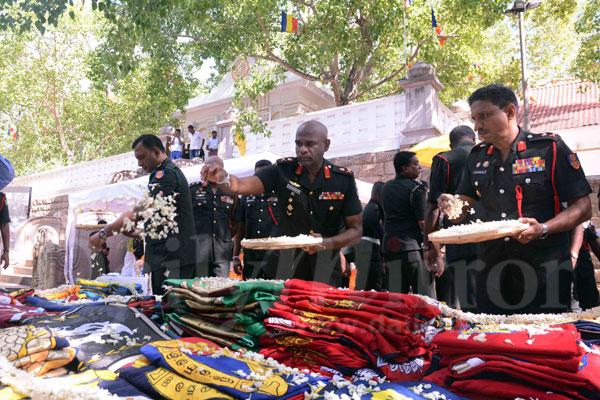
x,y
163,164
521,137
304,180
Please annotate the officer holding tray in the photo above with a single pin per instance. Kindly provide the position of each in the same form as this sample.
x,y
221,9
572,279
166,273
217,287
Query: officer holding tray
x,y
315,197
518,174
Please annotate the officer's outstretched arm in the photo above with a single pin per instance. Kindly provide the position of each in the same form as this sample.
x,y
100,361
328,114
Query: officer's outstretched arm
x,y
213,171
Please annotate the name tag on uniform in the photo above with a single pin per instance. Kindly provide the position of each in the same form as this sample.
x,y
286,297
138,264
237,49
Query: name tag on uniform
x,y
294,188
331,196
226,199
533,164
480,171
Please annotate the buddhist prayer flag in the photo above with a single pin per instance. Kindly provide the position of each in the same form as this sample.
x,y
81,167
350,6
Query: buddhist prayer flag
x,y
437,27
288,23
109,95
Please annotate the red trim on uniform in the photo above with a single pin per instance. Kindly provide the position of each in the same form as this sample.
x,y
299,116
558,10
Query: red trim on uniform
x,y
299,169
204,184
447,170
521,146
519,197
556,198
272,216
2,205
490,150
326,172
586,245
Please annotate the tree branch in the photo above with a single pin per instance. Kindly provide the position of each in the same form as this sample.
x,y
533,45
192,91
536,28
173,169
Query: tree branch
x,y
390,77
309,5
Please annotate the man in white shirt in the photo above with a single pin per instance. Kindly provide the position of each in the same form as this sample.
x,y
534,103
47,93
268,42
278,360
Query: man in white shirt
x,y
213,144
196,143
177,145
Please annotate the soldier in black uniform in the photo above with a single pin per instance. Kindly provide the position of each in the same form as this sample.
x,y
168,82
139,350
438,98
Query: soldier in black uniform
x,y
215,216
404,201
4,231
366,255
259,219
315,197
517,174
174,256
454,281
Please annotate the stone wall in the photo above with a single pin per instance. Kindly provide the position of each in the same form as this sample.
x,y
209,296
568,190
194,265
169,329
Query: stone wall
x,y
50,206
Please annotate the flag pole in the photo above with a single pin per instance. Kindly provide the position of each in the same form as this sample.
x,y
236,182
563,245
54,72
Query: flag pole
x,y
405,51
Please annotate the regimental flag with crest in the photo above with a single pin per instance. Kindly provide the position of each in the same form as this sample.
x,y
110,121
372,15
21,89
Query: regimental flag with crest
x,y
288,23
438,28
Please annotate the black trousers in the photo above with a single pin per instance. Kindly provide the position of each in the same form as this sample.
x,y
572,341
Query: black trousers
x,y
586,291
457,286
213,268
323,266
406,270
366,255
158,276
515,278
254,263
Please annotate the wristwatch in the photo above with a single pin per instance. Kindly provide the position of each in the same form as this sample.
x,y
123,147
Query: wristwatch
x,y
102,234
544,234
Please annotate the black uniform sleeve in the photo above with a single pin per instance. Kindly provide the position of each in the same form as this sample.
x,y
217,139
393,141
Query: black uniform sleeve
x,y
4,217
438,181
419,202
165,182
268,176
352,204
570,181
466,187
237,212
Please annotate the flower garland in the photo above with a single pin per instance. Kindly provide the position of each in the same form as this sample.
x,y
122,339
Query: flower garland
x,y
155,216
38,388
516,319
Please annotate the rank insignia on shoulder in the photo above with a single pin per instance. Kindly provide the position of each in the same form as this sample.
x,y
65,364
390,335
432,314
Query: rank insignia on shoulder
x,y
295,183
574,160
331,196
159,174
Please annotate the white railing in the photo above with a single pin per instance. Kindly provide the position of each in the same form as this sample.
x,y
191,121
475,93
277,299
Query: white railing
x,y
79,176
371,126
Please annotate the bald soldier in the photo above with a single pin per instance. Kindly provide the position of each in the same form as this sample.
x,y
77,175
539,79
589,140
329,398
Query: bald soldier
x,y
315,198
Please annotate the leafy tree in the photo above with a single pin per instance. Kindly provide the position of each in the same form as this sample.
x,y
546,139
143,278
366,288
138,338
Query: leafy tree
x,y
587,64
62,116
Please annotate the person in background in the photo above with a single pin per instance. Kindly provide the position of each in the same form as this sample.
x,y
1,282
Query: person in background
x,y
213,144
196,143
366,255
100,262
455,284
584,239
4,230
216,217
260,216
177,145
404,203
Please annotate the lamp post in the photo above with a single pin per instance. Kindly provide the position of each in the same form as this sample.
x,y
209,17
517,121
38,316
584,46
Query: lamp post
x,y
519,8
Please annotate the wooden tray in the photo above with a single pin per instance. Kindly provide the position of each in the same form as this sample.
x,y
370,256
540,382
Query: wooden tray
x,y
90,227
447,237
283,242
